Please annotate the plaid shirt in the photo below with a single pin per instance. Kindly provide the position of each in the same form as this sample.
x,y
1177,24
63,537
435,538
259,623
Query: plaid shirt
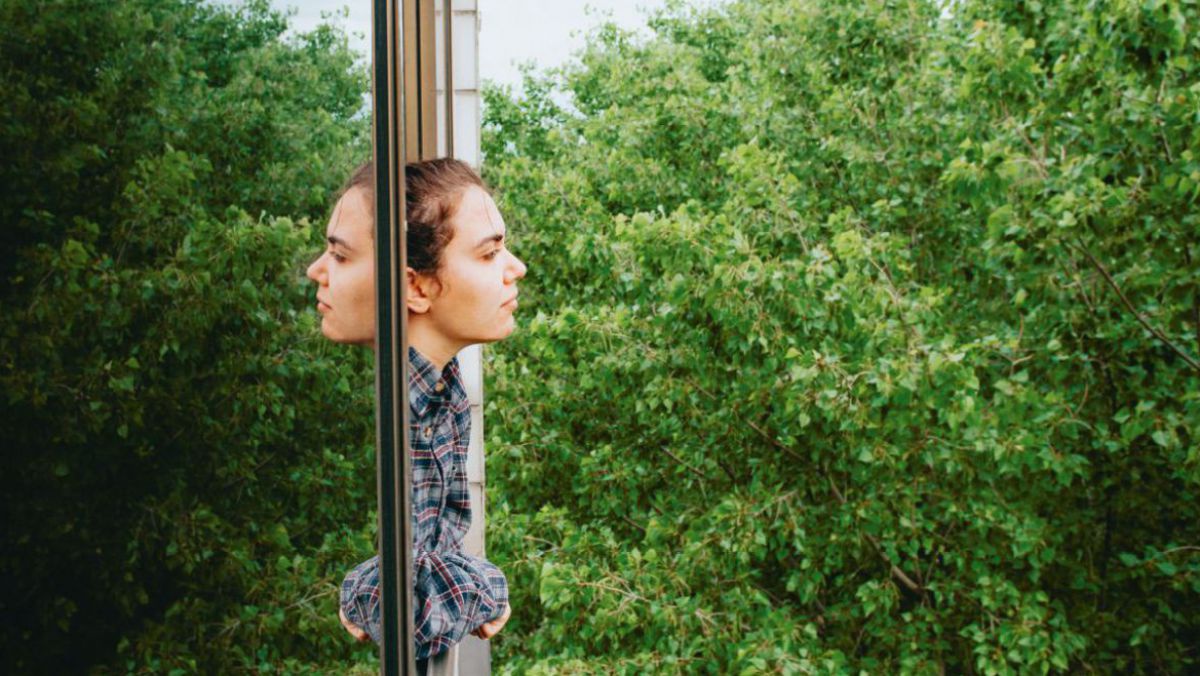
x,y
454,592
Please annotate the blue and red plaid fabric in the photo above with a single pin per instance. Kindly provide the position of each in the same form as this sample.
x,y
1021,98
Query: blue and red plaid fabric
x,y
454,592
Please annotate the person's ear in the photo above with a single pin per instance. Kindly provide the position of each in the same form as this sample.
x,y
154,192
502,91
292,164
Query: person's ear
x,y
422,289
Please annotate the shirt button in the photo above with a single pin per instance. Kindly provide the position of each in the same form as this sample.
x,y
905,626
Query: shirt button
x,y
439,387
428,432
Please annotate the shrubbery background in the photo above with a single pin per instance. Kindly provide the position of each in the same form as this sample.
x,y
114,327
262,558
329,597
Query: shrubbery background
x,y
857,336
186,472
834,361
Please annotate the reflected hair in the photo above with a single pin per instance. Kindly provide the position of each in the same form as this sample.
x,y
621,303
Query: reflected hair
x,y
433,190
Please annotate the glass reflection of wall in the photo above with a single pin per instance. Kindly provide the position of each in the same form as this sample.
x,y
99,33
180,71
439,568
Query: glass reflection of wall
x,y
458,112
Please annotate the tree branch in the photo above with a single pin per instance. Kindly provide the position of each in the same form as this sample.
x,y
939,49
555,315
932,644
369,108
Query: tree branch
x,y
683,463
1187,548
900,575
1187,258
633,523
1137,315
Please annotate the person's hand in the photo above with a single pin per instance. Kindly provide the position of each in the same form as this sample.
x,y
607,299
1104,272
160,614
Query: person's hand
x,y
490,629
357,633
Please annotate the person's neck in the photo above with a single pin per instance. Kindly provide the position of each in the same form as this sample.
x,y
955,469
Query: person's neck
x,y
431,344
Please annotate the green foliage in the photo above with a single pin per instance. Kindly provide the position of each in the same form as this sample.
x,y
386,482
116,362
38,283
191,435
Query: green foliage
x,y
183,477
858,336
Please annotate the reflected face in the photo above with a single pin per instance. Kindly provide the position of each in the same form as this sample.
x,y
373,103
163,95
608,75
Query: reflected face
x,y
471,300
475,293
345,273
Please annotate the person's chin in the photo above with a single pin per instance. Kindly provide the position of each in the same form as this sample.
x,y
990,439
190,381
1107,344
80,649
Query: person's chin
x,y
338,337
499,334
329,330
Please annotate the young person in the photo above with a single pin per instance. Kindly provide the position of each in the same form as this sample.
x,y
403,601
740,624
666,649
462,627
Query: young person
x,y
462,290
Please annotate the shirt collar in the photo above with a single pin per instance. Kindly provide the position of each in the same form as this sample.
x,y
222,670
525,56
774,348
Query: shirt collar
x,y
423,381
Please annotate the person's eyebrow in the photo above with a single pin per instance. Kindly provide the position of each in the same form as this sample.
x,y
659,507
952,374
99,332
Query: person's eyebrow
x,y
498,237
338,241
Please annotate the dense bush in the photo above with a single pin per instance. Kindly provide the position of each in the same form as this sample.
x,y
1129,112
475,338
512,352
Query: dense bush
x,y
186,471
857,336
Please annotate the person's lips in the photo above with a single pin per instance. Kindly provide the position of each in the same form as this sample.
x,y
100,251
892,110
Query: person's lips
x,y
322,305
512,301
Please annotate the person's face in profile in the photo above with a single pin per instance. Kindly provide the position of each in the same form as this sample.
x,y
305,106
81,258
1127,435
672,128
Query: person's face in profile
x,y
345,273
474,295
471,299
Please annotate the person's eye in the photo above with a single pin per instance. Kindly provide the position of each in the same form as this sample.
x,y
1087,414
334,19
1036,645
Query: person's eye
x,y
337,256
491,254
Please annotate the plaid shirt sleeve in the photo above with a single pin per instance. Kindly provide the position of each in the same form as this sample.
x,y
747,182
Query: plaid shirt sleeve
x,y
455,593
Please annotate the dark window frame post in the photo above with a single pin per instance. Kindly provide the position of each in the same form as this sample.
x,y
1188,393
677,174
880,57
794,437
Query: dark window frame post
x,y
391,336
404,126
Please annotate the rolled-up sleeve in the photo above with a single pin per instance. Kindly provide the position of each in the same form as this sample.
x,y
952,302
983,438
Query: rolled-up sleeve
x,y
455,593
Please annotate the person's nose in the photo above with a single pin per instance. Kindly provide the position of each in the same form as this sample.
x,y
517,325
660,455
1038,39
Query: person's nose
x,y
316,271
516,269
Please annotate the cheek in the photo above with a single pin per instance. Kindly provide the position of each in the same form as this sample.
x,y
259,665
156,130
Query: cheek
x,y
487,289
472,294
364,303
355,295
364,282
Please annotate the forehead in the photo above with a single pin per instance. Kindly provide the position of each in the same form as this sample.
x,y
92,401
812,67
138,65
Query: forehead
x,y
352,219
476,218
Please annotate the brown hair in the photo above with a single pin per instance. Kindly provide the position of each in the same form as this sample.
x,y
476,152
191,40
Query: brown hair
x,y
432,192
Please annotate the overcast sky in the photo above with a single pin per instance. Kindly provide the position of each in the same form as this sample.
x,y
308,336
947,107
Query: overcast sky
x,y
511,31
